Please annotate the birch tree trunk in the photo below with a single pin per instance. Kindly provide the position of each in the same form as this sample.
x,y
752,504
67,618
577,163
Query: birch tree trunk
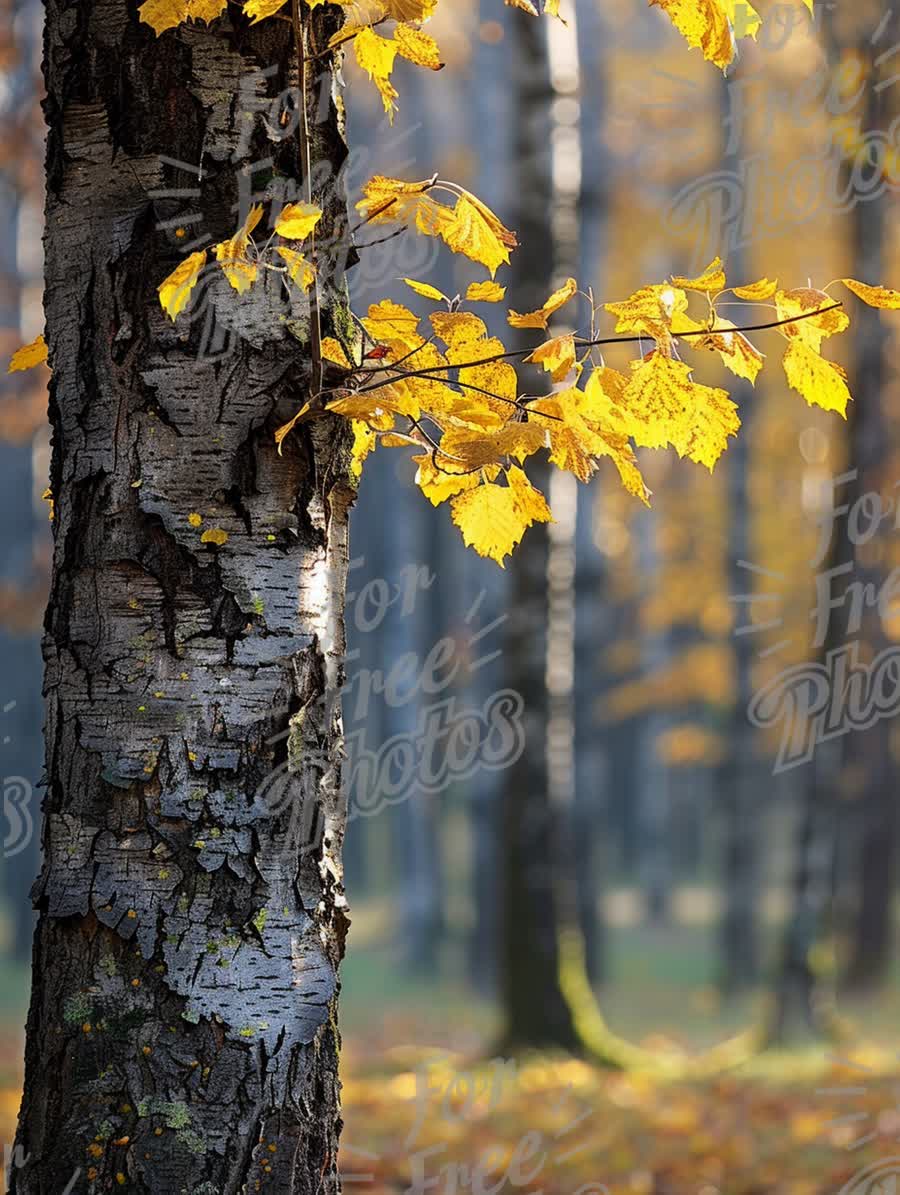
x,y
182,1033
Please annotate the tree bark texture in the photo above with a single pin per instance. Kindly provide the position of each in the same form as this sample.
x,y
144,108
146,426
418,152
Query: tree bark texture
x,y
182,1035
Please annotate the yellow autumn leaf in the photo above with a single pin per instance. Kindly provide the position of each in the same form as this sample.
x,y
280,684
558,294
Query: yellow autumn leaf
x,y
469,227
379,406
822,383
738,355
376,54
392,321
472,229
284,431
476,448
556,355
300,270
205,10
400,440
712,279
166,14
715,418
298,220
573,445
580,430
215,535
497,378
440,479
485,292
875,296
232,254
650,311
664,406
426,290
712,26
28,355
258,9
493,518
364,442
525,5
175,291
459,330
391,200
163,14
595,426
540,318
418,47
814,328
756,292
333,350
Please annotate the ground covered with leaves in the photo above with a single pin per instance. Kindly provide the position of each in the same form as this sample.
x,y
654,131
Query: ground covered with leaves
x,y
453,1117
441,1122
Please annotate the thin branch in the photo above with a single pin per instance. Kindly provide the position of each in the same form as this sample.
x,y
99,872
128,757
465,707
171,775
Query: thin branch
x,y
330,49
778,323
402,375
585,343
398,232
315,311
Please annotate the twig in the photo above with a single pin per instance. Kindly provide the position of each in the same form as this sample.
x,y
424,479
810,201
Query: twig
x,y
584,343
315,311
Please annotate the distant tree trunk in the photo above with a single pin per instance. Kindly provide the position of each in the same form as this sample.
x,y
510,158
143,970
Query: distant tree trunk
x,y
804,985
869,772
22,584
653,794
182,1033
803,993
742,787
535,1011
593,615
591,764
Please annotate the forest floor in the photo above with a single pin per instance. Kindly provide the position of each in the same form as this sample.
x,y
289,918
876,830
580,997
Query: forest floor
x,y
429,1108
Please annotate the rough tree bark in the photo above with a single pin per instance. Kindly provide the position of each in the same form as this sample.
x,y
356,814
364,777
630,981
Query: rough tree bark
x,y
182,1031
22,581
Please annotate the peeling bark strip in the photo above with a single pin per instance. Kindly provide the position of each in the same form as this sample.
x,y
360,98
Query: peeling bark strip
x,y
182,1035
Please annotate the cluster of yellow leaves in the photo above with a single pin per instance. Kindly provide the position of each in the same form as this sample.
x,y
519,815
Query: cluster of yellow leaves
x,y
453,395
376,47
241,260
450,390
696,420
377,53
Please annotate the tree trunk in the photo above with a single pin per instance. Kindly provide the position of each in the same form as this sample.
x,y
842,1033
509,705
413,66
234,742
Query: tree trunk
x,y
742,781
22,584
182,1033
535,1011
869,768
